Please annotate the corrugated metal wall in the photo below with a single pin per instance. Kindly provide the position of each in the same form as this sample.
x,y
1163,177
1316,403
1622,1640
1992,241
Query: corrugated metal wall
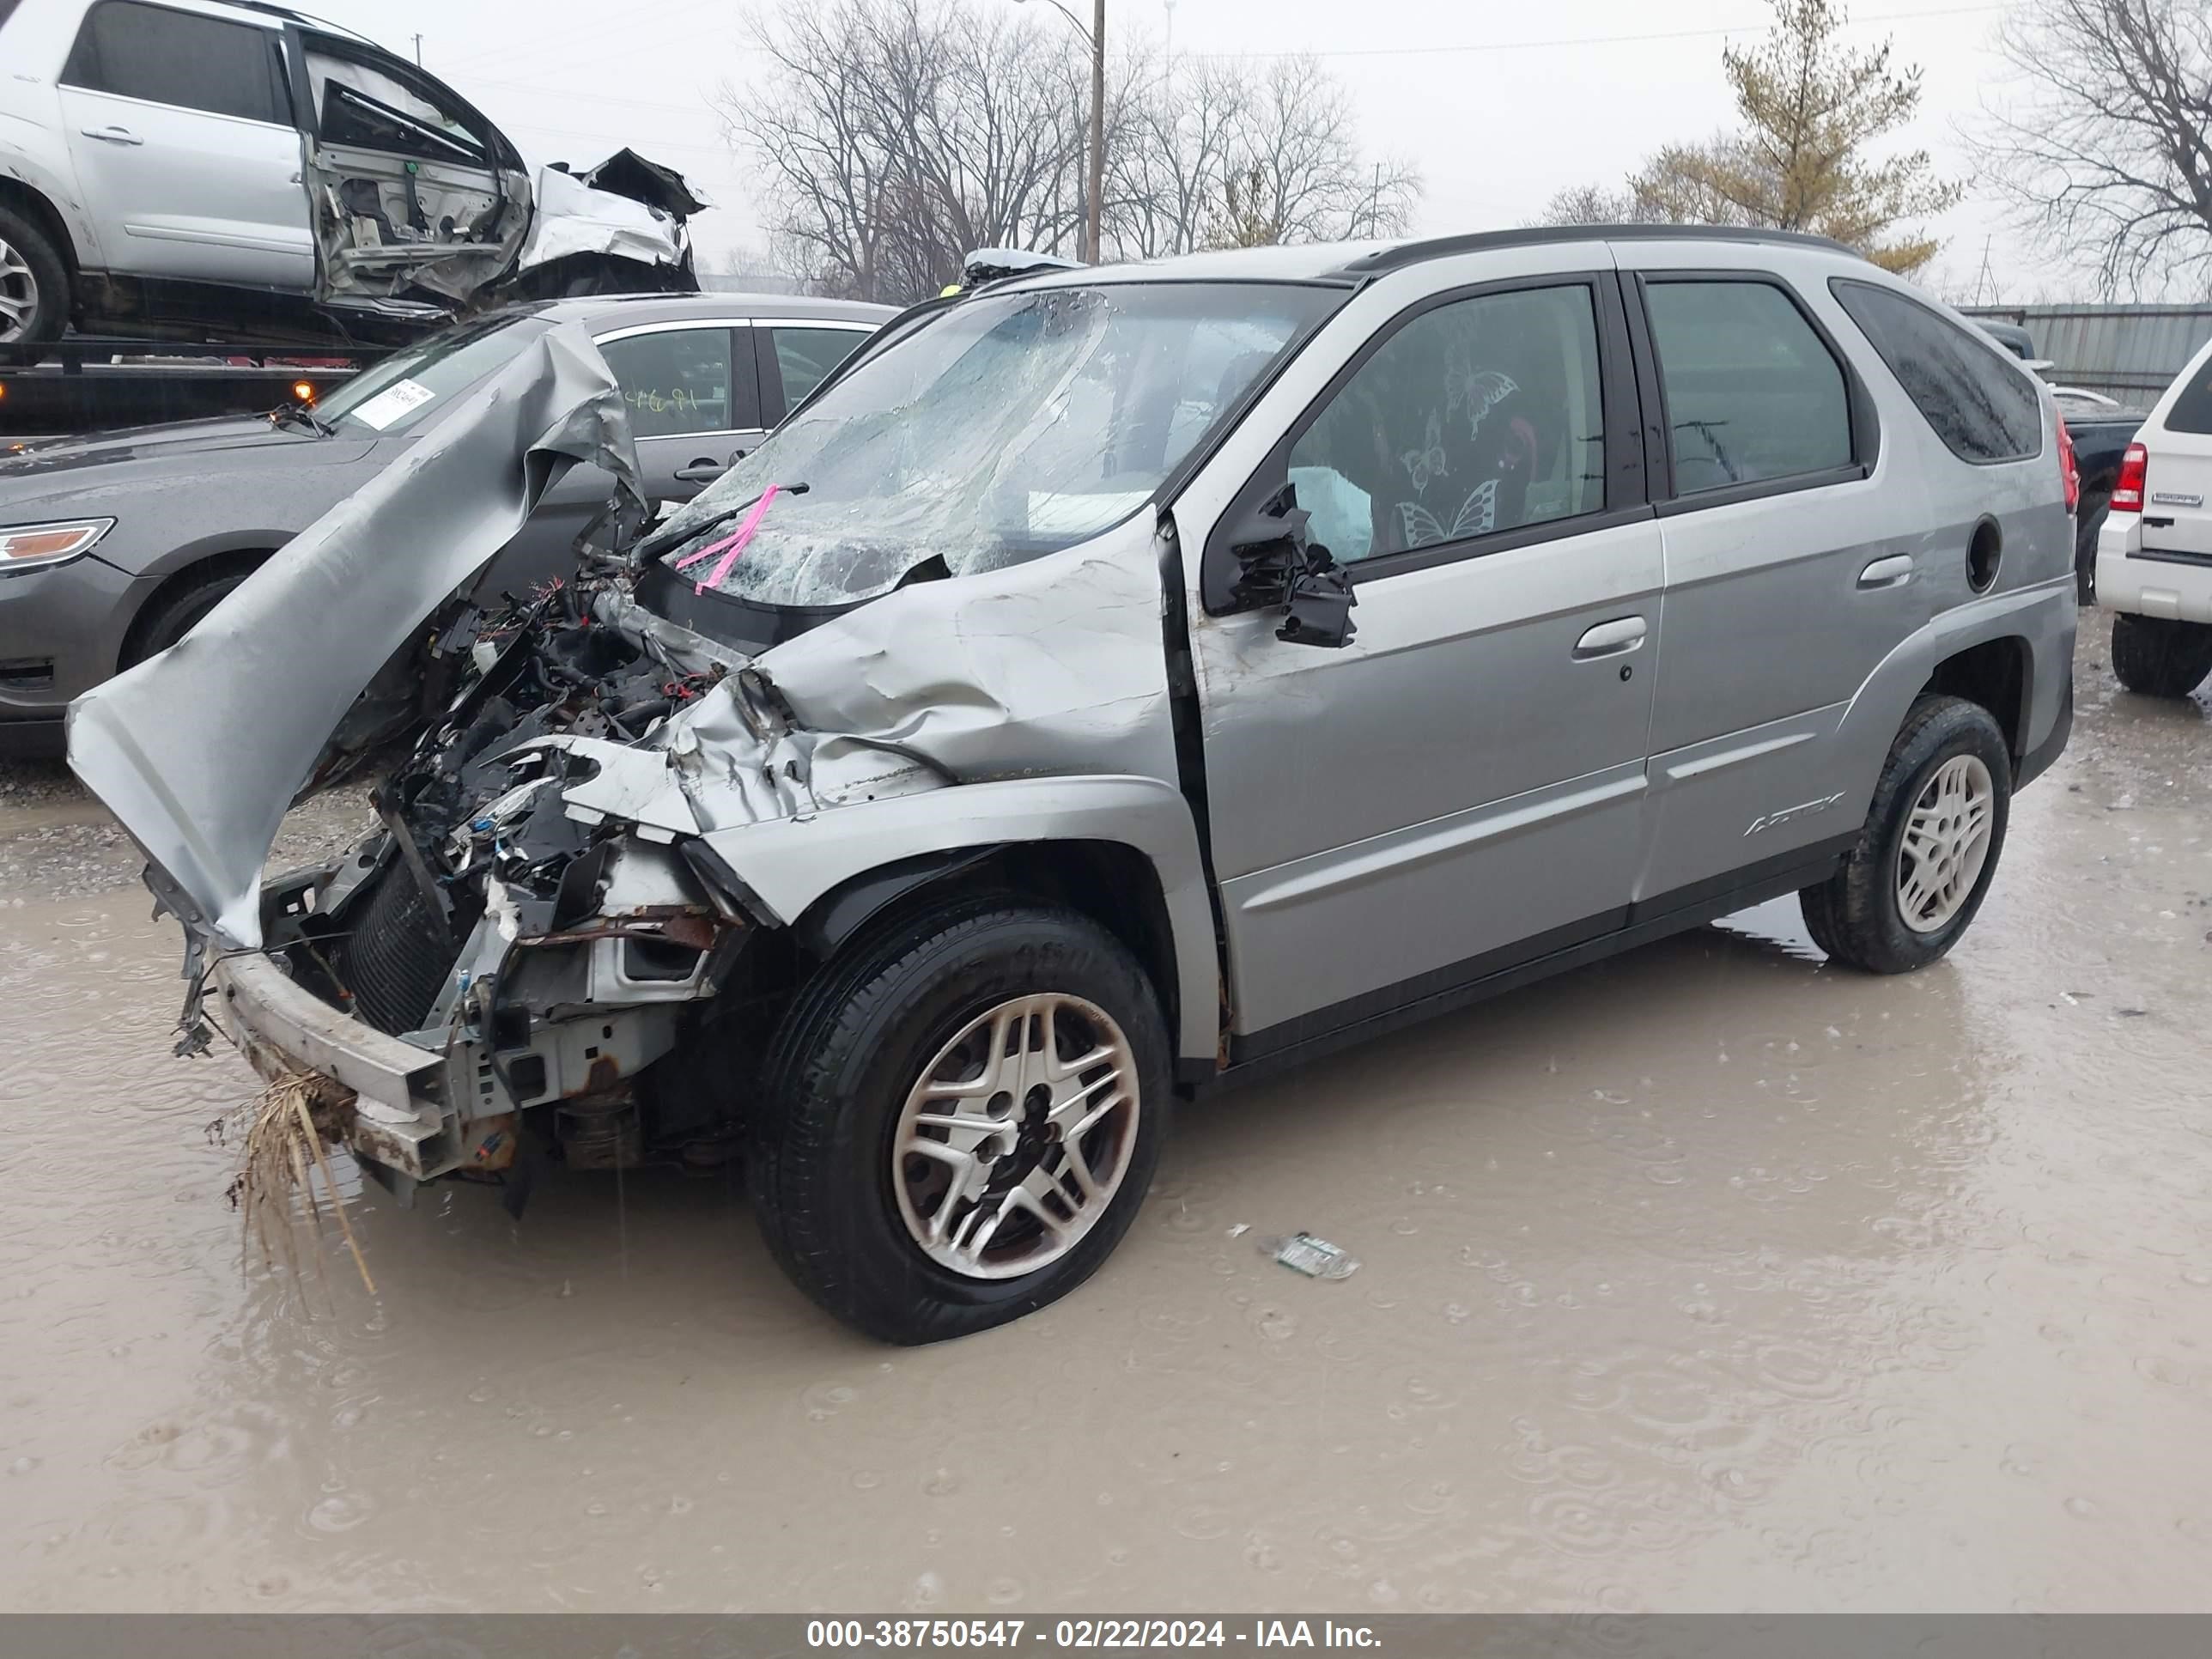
x,y
2129,352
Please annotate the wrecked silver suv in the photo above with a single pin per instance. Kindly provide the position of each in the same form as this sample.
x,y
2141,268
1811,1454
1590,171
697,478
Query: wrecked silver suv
x,y
1114,682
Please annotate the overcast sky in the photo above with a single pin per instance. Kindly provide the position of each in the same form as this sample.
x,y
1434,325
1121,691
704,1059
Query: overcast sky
x,y
1499,106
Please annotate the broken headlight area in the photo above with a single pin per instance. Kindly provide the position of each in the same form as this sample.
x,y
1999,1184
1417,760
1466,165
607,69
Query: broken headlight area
x,y
550,957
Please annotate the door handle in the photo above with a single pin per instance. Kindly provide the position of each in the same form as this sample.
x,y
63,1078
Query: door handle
x,y
1610,639
112,135
702,471
1894,571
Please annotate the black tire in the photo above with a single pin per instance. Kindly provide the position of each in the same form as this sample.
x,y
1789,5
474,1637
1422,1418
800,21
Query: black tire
x,y
1855,916
45,271
2094,510
848,1051
172,615
2158,657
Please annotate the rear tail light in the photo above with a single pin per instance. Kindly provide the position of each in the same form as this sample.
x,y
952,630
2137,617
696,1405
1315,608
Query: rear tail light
x,y
2128,489
2068,466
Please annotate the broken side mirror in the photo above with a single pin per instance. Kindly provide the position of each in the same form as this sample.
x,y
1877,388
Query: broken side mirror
x,y
1279,565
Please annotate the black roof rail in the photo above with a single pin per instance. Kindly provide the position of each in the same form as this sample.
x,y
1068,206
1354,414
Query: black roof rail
x,y
1481,241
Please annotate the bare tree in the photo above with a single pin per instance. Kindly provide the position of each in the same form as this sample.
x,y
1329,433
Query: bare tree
x,y
1813,110
897,134
2105,156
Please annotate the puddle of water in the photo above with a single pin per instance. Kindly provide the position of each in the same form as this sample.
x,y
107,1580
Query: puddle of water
x,y
1709,1278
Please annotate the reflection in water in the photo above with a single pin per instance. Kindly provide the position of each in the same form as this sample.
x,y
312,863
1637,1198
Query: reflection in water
x,y
1712,1276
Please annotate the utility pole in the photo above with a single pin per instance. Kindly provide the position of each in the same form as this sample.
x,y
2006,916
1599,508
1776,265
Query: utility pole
x,y
1095,196
418,51
1098,126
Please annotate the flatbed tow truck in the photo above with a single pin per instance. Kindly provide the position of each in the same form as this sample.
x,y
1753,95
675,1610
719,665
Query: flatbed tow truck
x,y
85,383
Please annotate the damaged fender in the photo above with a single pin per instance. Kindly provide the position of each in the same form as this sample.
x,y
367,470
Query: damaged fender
x,y
199,750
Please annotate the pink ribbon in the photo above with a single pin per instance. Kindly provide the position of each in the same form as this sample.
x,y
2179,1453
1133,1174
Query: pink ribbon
x,y
731,546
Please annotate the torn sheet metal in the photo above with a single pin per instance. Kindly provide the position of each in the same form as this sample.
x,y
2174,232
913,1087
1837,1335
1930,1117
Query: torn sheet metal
x,y
628,173
199,750
573,217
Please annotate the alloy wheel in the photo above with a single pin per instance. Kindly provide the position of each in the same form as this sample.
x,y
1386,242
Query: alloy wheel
x,y
1945,843
1010,1147
19,294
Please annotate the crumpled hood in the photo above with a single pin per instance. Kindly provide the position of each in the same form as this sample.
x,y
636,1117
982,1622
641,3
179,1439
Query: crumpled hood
x,y
199,750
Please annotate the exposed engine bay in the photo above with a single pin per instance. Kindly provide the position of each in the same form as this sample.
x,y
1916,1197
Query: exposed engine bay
x,y
562,955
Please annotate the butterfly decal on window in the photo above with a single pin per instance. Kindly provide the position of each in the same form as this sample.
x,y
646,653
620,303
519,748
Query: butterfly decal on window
x,y
1427,462
1478,513
1483,391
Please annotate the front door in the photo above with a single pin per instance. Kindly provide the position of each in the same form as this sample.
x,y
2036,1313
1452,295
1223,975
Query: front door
x,y
1461,788
180,128
693,393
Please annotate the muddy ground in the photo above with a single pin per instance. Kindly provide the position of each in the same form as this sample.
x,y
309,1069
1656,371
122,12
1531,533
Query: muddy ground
x,y
1711,1278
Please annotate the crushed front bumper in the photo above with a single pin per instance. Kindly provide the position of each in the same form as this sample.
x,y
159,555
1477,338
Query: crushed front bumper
x,y
401,1120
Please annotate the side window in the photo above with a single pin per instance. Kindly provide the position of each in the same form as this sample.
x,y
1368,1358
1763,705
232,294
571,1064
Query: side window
x,y
363,105
2192,406
179,58
678,380
804,355
1753,392
1983,408
1480,415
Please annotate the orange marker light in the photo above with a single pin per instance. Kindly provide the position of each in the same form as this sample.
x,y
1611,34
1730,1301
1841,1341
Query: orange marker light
x,y
303,391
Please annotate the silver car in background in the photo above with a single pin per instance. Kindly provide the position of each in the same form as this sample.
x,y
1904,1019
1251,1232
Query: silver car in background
x,y
1117,683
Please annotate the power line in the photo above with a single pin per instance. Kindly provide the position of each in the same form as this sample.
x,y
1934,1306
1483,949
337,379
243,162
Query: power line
x,y
1434,50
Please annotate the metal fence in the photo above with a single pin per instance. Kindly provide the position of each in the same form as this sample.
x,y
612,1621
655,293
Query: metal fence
x,y
2129,352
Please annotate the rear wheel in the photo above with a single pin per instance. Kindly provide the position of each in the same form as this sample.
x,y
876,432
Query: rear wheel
x,y
2158,657
34,287
1911,886
960,1118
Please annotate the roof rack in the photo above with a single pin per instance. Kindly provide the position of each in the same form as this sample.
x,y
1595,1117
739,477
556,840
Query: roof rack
x,y
1437,247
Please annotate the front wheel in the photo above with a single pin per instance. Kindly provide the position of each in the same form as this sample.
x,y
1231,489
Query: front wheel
x,y
1929,845
959,1119
2158,657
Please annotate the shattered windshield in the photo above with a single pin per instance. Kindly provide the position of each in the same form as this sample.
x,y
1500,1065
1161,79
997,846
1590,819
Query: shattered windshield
x,y
1010,426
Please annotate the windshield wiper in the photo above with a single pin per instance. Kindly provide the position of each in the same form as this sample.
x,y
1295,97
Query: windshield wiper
x,y
294,413
661,541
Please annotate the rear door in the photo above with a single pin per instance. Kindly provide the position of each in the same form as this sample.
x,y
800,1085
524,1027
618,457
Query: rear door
x,y
413,192
1792,569
181,131
796,355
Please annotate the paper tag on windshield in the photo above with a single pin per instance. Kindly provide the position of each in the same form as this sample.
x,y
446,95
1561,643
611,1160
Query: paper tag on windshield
x,y
395,400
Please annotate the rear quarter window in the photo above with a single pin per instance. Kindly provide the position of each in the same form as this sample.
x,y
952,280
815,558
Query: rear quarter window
x,y
2192,400
1985,409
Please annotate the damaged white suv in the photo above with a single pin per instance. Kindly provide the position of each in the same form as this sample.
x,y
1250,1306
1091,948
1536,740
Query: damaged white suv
x,y
175,166
1111,683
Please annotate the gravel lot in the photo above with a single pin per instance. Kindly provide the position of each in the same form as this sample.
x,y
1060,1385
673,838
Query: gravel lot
x,y
1709,1277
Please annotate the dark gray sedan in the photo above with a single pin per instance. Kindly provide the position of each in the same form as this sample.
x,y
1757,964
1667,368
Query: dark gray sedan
x,y
113,546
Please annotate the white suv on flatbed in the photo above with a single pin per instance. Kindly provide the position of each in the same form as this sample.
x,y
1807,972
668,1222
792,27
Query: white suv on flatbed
x,y
170,166
2154,552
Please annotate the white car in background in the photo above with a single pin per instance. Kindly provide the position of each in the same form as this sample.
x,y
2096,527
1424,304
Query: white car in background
x,y
186,166
2154,552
